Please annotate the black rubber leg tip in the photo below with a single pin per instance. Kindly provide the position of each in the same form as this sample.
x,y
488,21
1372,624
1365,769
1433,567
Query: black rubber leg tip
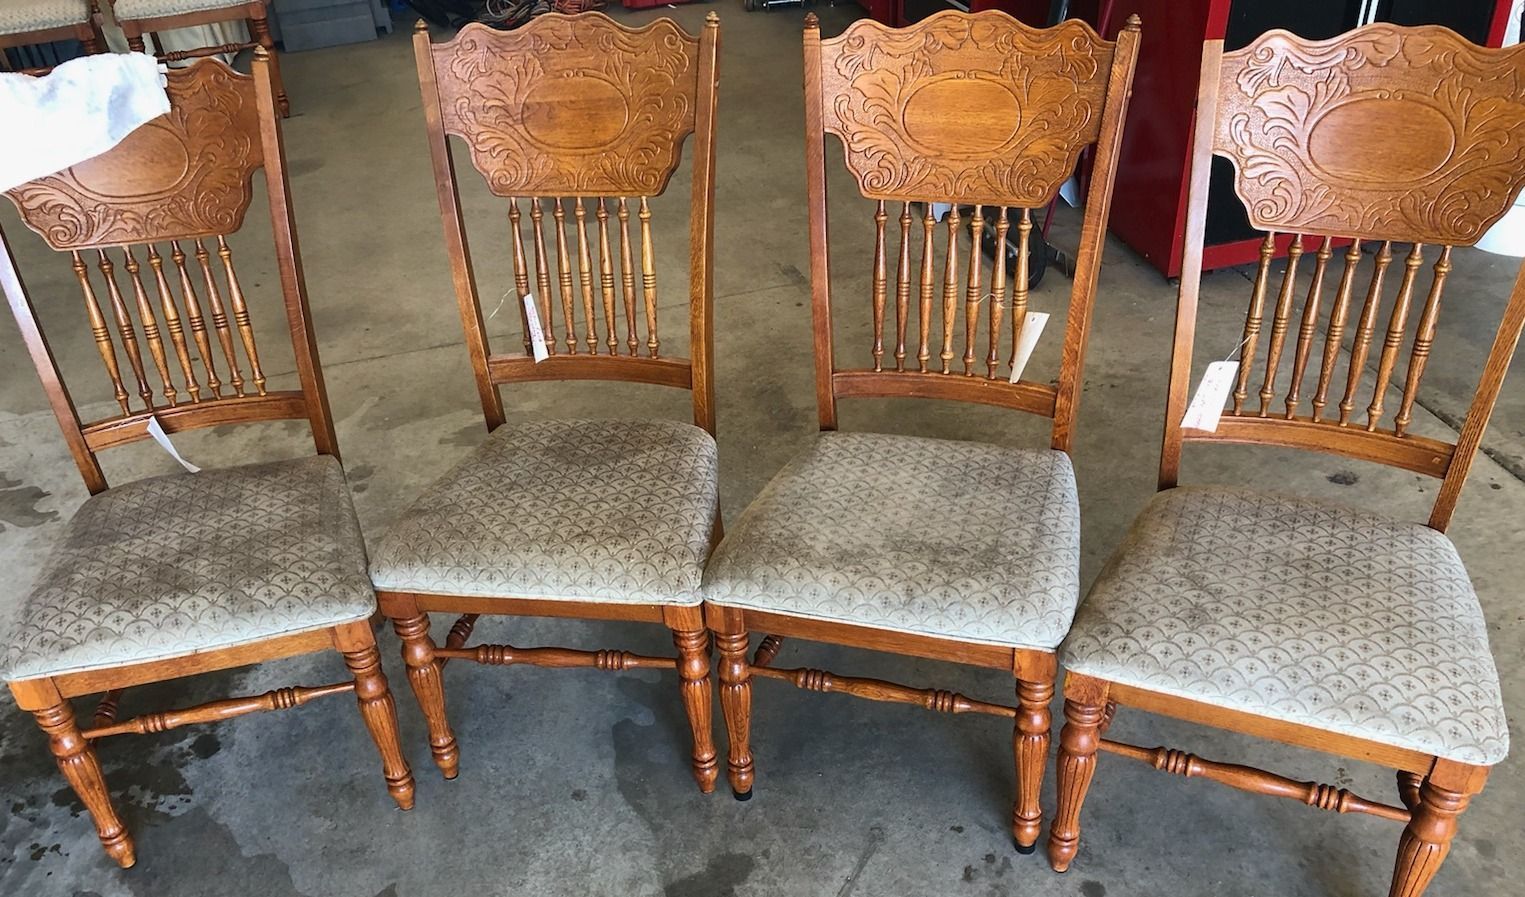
x,y
741,795
1025,851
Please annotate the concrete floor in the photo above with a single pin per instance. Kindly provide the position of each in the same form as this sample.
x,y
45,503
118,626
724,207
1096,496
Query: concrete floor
x,y
577,783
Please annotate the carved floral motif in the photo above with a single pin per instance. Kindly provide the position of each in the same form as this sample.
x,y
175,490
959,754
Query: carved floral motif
x,y
1374,135
570,106
964,109
184,174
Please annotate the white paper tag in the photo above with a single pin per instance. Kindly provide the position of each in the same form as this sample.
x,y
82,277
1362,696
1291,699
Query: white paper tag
x,y
1207,403
1027,340
537,335
156,430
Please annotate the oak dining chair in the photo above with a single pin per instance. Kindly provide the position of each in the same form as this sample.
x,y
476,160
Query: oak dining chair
x,y
958,551
171,576
574,121
1301,620
150,17
27,22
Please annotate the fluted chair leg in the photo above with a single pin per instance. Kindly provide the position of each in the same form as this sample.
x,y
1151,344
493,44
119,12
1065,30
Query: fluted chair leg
x,y
693,644
1078,743
76,760
1030,740
424,676
358,645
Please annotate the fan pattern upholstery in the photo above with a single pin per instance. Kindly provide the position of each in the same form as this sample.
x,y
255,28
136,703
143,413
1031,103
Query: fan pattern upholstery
x,y
1301,611
614,510
175,565
959,540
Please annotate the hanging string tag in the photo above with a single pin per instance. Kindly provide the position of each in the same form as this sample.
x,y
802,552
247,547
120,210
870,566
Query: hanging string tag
x,y
1027,340
1207,402
537,334
156,430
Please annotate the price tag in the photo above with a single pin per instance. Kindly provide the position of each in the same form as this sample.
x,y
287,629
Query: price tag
x,y
537,334
1027,339
1207,403
156,430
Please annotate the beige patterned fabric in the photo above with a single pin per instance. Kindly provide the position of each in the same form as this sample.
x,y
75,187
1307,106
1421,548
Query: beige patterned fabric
x,y
956,540
151,9
1300,611
20,16
618,511
174,565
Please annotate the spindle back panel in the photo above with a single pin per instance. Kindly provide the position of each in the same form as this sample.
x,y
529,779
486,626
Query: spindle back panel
x,y
577,121
145,226
987,114
1365,159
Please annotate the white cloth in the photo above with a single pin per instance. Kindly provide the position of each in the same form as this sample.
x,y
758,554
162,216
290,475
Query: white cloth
x,y
81,109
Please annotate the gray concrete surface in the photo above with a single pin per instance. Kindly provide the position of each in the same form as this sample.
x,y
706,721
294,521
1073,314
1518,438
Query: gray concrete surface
x,y
577,782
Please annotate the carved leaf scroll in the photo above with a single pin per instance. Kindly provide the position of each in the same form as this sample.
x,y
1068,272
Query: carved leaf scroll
x,y
185,174
964,108
1388,133
570,105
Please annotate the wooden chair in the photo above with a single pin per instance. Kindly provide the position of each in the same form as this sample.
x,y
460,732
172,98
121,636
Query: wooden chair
x,y
1292,619
950,550
609,520
140,17
170,576
27,22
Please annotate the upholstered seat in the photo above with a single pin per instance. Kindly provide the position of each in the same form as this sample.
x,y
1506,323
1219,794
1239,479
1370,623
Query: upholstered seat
x,y
619,511
20,16
1301,611
933,537
176,565
152,9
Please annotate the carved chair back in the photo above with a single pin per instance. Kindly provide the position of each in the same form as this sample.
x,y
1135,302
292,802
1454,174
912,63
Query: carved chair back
x,y
1385,135
152,216
581,118
962,109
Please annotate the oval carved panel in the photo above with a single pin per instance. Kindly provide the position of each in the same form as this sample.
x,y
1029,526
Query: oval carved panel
x,y
579,112
1386,133
156,141
1356,141
964,108
961,114
184,174
570,105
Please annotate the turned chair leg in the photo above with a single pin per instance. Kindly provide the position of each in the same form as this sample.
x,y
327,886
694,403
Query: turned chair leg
x,y
76,760
259,30
135,43
90,39
356,642
736,703
1030,738
1078,743
694,682
1426,839
424,675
